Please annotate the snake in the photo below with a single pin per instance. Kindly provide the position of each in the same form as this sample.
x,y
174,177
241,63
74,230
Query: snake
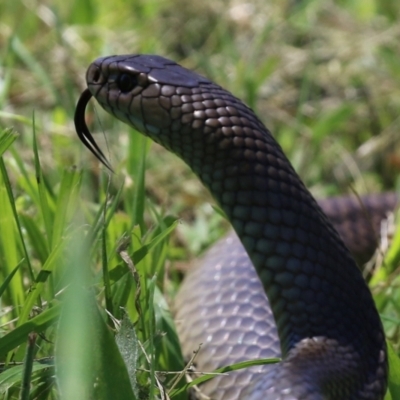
x,y
284,283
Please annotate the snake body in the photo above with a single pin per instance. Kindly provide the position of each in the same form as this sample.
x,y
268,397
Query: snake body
x,y
330,335
222,305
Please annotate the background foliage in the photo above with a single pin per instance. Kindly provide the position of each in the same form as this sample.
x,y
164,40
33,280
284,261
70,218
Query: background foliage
x,y
83,254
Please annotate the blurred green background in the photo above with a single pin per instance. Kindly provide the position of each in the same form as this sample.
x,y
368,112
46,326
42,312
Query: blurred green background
x,y
324,77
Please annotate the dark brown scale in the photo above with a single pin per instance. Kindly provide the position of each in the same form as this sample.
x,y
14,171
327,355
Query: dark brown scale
x,y
211,113
152,91
165,102
176,113
185,93
197,98
186,119
198,105
169,91
199,114
209,104
187,108
176,100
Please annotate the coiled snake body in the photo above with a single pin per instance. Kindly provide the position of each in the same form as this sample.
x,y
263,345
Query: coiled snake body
x,y
330,335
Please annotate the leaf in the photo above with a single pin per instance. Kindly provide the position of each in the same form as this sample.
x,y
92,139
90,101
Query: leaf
x,y
13,376
37,324
128,345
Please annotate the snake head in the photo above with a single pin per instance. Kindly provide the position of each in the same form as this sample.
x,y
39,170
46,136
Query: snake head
x,y
177,108
148,92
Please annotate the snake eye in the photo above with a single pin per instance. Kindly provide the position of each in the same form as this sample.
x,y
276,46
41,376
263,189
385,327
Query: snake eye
x,y
126,82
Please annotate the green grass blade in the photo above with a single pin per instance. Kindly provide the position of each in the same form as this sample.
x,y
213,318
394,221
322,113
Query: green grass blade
x,y
9,241
66,201
88,362
138,148
394,373
7,138
150,321
12,377
36,237
139,254
36,324
169,355
27,181
99,222
16,118
106,276
15,214
54,260
5,284
224,370
44,205
28,366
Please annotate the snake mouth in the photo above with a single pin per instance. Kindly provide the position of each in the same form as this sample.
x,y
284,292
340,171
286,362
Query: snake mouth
x,y
83,131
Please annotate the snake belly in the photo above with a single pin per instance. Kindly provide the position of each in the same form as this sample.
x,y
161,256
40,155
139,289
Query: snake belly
x,y
330,335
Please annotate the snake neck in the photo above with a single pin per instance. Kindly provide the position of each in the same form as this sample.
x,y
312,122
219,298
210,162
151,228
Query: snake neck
x,y
314,287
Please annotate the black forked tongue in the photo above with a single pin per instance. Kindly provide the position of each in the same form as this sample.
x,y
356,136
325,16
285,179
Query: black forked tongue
x,y
83,132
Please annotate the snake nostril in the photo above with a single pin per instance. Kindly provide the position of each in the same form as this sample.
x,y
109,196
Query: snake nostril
x,y
96,75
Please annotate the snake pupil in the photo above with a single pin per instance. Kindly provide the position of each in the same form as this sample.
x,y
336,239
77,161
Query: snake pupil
x,y
126,82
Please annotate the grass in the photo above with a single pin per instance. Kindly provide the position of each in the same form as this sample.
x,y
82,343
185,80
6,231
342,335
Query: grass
x,y
85,257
